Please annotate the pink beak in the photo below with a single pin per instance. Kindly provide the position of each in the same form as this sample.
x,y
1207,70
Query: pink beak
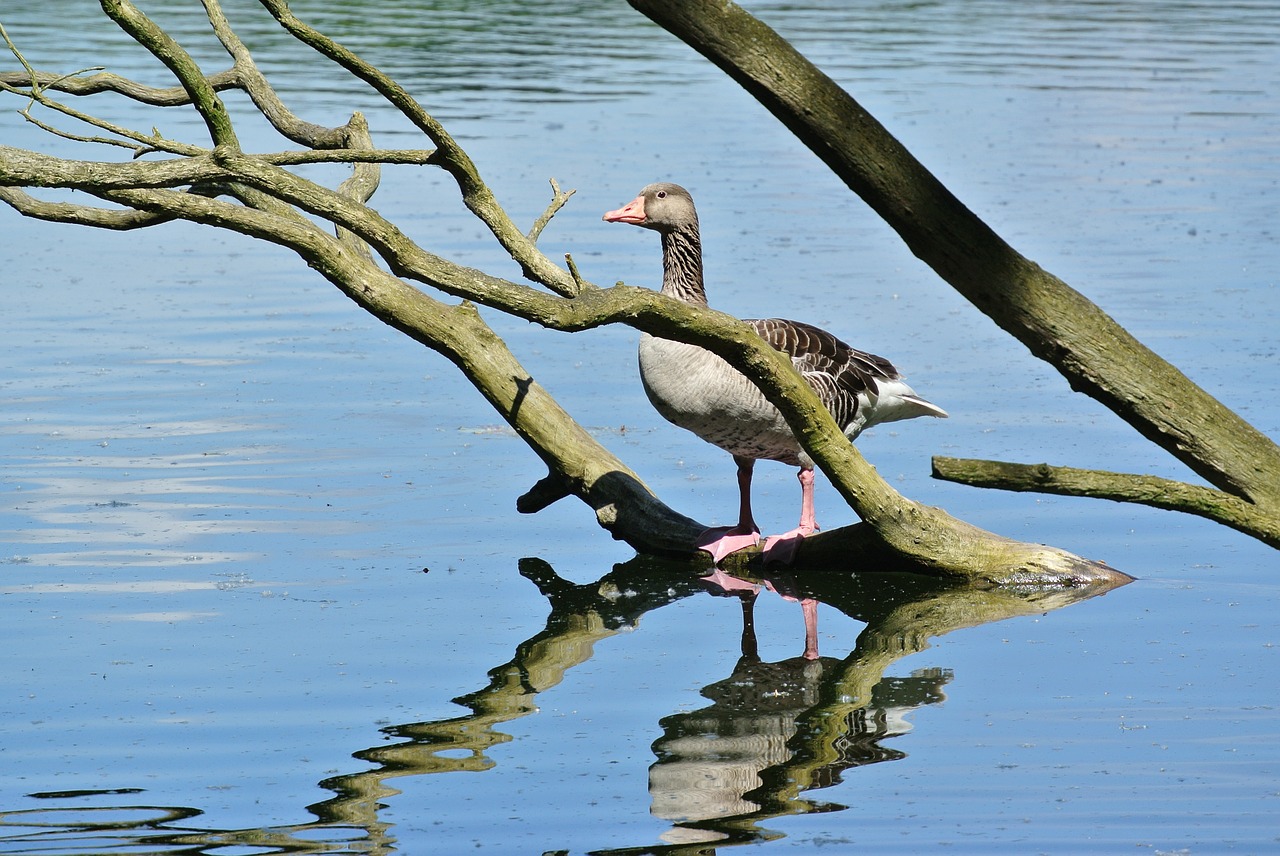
x,y
632,212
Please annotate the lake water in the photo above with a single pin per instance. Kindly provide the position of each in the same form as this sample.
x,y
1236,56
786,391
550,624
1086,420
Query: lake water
x,y
264,588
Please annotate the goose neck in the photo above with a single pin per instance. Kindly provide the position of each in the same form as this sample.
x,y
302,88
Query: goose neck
x,y
682,266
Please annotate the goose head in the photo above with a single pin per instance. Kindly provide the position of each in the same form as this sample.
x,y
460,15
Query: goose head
x,y
663,207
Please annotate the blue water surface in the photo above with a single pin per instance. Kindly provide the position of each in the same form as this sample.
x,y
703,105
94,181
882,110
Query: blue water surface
x,y
263,582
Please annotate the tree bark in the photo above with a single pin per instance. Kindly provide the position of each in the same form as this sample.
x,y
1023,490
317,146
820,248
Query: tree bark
x,y
1056,323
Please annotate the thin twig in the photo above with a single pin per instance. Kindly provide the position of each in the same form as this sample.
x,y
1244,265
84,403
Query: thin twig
x,y
581,283
67,135
142,144
31,72
558,200
106,81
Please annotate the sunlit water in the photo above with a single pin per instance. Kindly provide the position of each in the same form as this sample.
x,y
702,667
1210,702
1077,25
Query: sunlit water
x,y
254,544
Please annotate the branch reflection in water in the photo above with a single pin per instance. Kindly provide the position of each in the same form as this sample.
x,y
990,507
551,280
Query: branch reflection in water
x,y
773,732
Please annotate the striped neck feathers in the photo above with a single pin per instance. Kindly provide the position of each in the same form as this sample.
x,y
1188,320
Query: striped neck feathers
x,y
682,265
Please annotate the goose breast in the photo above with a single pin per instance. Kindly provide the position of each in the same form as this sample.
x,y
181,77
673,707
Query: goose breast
x,y
698,391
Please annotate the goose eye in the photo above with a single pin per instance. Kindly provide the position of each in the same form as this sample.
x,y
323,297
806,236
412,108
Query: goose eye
x,y
661,194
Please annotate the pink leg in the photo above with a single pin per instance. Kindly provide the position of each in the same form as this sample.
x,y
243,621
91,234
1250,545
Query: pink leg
x,y
782,548
720,542
810,607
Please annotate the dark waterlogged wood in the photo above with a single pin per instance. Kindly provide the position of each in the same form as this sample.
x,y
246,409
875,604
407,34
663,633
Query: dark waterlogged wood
x,y
377,266
1054,321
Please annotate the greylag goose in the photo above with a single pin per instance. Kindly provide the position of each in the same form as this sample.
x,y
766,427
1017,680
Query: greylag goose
x,y
697,390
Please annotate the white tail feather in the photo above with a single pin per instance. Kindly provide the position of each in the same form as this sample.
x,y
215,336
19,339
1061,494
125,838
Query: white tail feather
x,y
898,401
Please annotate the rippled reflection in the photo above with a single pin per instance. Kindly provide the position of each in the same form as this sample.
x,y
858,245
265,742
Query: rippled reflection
x,y
774,732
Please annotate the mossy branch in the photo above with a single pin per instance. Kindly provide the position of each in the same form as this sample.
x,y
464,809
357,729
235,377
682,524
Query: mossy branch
x,y
165,48
1156,492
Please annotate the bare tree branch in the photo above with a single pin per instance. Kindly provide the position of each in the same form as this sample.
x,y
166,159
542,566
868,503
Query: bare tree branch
x,y
104,81
264,95
83,215
166,49
1156,492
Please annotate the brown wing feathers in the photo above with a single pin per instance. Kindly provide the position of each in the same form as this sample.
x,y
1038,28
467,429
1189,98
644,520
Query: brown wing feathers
x,y
836,371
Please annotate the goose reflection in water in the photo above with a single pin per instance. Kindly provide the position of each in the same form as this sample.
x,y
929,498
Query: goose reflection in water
x,y
773,730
